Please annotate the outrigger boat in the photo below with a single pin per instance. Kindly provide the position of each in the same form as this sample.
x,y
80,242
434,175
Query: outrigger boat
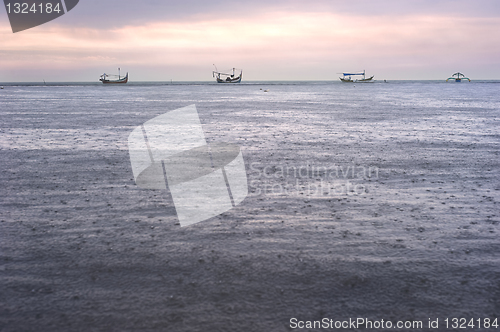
x,y
348,78
227,78
458,77
105,78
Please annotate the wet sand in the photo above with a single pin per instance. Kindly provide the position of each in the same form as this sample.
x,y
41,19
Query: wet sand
x,y
83,249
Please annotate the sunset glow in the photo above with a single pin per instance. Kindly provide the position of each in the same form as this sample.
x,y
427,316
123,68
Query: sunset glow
x,y
282,45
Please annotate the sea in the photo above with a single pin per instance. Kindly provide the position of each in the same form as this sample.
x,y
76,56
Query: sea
x,y
271,115
377,200
387,126
319,127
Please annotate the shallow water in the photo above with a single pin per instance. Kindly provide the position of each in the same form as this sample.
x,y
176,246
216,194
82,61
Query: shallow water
x,y
412,233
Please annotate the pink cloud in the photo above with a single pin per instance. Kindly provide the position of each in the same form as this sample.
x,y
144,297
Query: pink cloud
x,y
278,45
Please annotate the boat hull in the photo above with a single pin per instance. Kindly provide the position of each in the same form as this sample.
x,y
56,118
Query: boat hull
x,y
366,80
234,80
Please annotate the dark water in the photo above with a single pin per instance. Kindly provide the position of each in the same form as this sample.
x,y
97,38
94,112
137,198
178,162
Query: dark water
x,y
82,248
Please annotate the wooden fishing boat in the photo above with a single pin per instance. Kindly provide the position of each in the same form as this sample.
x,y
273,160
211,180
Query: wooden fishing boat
x,y
230,77
458,77
348,78
113,79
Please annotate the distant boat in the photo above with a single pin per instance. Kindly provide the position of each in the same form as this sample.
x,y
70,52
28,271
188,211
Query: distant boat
x,y
348,78
113,79
227,77
458,77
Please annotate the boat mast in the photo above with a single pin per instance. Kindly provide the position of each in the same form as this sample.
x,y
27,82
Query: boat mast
x,y
118,73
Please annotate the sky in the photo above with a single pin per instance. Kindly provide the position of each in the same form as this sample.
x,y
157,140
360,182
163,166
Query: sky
x,y
158,40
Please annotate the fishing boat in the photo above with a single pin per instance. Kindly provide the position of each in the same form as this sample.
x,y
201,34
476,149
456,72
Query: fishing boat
x,y
227,77
113,79
458,77
348,78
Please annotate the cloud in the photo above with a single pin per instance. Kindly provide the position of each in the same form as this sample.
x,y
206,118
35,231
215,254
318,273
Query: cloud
x,y
284,43
111,14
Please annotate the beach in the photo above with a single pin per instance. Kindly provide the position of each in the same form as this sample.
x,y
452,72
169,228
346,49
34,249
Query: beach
x,y
375,201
